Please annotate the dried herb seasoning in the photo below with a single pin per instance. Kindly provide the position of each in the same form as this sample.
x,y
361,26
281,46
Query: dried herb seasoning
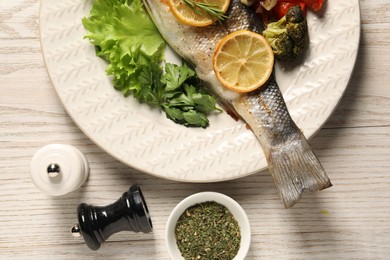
x,y
207,230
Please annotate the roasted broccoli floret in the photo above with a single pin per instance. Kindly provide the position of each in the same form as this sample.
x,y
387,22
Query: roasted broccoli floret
x,y
289,35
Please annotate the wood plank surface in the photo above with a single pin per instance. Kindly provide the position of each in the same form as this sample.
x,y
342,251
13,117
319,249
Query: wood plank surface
x,y
351,220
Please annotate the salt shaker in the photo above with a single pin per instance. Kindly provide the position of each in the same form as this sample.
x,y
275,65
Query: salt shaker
x,y
58,169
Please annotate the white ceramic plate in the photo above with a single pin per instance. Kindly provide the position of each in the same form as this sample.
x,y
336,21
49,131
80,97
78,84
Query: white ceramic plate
x,y
144,139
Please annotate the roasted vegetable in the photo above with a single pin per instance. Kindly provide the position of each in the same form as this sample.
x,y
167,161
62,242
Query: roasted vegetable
x,y
281,8
314,5
289,35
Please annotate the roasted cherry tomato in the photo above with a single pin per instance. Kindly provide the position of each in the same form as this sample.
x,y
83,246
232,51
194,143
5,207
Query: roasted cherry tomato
x,y
314,5
281,8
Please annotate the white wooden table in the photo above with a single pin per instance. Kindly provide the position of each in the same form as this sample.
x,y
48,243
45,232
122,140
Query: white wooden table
x,y
351,220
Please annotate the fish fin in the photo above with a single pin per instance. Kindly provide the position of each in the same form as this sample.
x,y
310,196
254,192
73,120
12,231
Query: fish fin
x,y
295,168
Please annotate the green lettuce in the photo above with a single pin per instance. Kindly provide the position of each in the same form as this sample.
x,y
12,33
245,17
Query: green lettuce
x,y
124,35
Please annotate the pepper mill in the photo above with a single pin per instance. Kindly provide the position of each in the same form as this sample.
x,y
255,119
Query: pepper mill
x,y
128,213
58,169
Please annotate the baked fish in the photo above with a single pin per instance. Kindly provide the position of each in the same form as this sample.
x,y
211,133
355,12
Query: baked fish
x,y
292,162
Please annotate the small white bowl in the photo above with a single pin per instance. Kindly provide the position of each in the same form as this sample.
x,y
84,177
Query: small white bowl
x,y
235,208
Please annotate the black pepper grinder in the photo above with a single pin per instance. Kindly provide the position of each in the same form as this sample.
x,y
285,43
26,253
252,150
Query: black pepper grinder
x,y
128,213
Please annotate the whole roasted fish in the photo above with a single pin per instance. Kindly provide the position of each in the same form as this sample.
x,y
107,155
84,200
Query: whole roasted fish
x,y
291,161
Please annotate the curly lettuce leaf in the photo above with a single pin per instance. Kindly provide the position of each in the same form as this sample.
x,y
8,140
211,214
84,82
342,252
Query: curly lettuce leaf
x,y
114,26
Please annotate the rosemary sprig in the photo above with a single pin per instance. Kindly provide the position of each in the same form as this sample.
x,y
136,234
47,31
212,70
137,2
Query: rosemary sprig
x,y
211,9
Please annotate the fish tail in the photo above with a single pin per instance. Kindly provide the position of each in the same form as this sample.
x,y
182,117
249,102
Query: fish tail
x,y
295,168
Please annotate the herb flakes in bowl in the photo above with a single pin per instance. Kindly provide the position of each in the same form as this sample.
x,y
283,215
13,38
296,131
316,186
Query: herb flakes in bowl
x,y
208,225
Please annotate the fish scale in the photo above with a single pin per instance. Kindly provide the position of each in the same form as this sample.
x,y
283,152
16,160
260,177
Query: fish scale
x,y
292,163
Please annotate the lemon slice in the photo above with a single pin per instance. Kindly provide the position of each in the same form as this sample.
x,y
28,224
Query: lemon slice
x,y
243,61
195,16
